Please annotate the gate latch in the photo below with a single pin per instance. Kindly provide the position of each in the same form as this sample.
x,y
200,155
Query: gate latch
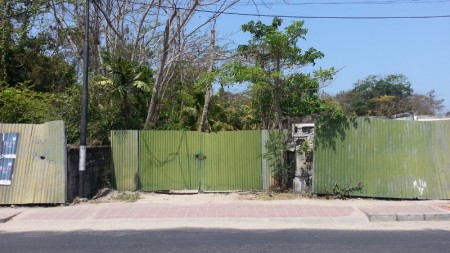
x,y
200,157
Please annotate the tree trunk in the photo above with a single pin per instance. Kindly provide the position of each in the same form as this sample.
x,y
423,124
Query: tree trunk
x,y
153,106
277,97
202,126
278,111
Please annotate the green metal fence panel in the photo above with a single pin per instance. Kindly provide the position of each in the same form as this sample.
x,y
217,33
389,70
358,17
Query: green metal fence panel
x,y
125,159
233,161
177,160
267,170
392,159
168,160
40,169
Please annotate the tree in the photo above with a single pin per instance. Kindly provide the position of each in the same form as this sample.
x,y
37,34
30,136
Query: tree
x,y
28,57
26,106
34,74
177,41
386,96
208,88
128,86
274,61
28,63
423,104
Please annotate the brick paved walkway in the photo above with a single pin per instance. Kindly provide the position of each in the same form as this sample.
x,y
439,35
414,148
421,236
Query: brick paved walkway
x,y
444,205
207,210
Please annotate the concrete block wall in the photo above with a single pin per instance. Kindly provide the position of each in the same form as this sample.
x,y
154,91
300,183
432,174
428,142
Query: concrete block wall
x,y
98,171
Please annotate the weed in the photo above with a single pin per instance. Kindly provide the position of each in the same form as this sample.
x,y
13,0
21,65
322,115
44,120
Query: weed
x,y
342,193
126,197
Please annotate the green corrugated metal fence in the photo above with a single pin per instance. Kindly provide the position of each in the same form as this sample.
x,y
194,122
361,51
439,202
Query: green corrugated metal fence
x,y
167,160
233,161
40,171
125,159
393,159
173,160
267,174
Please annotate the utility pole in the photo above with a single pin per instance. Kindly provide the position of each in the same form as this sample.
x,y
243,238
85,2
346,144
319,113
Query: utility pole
x,y
84,105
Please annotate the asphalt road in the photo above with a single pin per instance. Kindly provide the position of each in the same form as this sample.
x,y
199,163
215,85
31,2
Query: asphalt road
x,y
214,240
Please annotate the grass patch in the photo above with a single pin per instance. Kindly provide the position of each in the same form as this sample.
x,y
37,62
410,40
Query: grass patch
x,y
267,196
126,197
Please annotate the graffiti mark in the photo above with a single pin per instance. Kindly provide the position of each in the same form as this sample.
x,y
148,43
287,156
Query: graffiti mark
x,y
420,185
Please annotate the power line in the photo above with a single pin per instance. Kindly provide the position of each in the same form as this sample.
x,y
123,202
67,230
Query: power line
x,y
306,17
325,17
386,2
298,16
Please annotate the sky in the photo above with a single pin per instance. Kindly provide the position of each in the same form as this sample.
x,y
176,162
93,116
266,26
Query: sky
x,y
418,48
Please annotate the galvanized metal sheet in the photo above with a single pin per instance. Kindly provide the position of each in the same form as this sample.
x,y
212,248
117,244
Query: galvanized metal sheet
x,y
40,170
125,159
392,159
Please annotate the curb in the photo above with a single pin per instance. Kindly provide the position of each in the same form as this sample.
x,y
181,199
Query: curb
x,y
381,217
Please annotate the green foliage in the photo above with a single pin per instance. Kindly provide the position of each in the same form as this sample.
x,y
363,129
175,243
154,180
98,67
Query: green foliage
x,y
386,96
68,105
231,111
104,113
369,94
341,192
305,147
274,61
300,95
126,197
26,106
184,99
29,63
121,94
28,58
276,147
376,86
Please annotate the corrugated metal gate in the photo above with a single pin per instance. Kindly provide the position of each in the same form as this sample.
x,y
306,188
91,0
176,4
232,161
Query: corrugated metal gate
x,y
174,160
393,159
167,160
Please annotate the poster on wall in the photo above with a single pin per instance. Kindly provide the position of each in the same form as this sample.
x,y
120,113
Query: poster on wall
x,y
8,153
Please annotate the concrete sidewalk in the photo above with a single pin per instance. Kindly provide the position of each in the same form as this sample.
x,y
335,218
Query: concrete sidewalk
x,y
240,214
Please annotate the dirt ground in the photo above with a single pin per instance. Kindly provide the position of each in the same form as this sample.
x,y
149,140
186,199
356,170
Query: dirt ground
x,y
109,196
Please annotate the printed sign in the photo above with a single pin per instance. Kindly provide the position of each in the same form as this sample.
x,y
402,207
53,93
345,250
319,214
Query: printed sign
x,y
6,170
8,152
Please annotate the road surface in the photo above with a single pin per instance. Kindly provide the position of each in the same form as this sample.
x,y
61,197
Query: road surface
x,y
226,240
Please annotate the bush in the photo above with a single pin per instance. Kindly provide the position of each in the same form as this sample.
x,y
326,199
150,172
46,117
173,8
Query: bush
x,y
26,106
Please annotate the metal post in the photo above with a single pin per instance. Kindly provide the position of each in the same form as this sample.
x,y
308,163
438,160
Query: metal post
x,y
84,105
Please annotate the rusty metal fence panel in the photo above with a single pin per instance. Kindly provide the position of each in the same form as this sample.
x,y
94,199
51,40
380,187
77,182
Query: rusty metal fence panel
x,y
392,159
40,169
